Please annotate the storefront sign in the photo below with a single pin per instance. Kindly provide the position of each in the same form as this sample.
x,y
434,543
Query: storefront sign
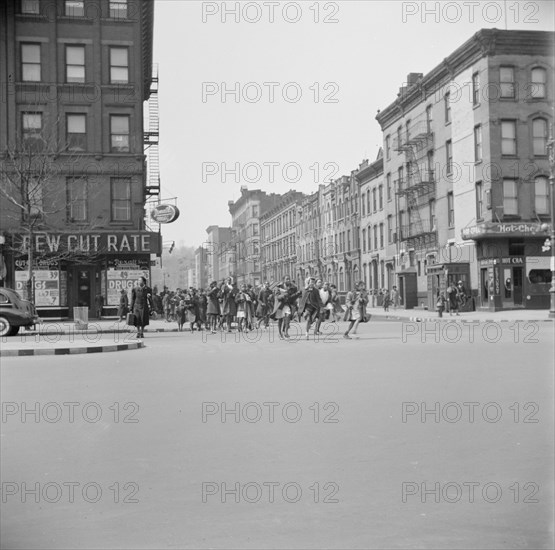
x,y
118,280
165,213
47,286
492,230
139,242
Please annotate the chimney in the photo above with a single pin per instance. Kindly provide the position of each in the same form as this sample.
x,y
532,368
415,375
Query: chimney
x,y
244,189
413,78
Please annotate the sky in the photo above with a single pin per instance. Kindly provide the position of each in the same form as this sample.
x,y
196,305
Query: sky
x,y
283,95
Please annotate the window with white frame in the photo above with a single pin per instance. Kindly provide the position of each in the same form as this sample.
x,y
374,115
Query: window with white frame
x,y
30,7
539,136
507,82
76,131
75,64
539,83
119,133
119,65
510,197
118,9
30,63
77,200
74,8
541,196
478,143
121,199
508,137
476,88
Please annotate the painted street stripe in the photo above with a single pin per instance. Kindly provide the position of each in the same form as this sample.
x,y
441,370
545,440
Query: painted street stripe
x,y
69,351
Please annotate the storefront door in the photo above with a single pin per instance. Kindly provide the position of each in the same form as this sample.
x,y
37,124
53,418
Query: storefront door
x,y
512,286
484,286
83,289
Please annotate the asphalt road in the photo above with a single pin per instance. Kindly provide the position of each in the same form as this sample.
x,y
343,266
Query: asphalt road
x,y
398,439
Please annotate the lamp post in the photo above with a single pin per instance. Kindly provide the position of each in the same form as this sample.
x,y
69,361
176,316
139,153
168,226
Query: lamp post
x,y
552,196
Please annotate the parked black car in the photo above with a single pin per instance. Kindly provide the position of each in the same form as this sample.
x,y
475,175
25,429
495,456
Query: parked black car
x,y
15,312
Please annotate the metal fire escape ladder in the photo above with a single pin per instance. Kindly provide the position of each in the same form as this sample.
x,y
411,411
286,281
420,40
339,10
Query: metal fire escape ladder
x,y
417,184
151,139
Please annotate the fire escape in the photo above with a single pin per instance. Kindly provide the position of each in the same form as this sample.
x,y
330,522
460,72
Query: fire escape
x,y
417,188
151,144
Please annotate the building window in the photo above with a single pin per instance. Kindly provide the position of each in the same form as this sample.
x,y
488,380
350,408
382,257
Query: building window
x,y
118,9
364,240
119,65
430,162
450,209
376,237
507,82
476,88
255,210
381,235
30,62
388,185
363,205
121,199
380,197
449,156
74,8
478,143
508,137
539,136
399,136
447,100
541,196
348,240
119,133
387,147
479,200
374,201
76,131
369,238
407,130
77,200
31,124
432,209
75,64
510,197
400,184
30,7
539,83
429,119
390,229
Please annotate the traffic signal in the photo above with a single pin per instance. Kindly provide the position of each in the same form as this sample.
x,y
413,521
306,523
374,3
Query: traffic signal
x,y
172,247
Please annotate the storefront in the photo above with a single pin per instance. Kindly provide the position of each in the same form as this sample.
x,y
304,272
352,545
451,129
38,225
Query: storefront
x,y
80,269
440,276
514,266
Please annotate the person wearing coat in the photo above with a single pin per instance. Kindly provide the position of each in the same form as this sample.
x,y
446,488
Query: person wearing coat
x,y
213,306
229,307
141,306
356,303
265,300
123,307
311,304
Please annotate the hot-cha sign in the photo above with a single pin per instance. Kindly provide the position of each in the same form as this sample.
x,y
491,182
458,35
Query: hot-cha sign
x,y
518,229
165,213
136,242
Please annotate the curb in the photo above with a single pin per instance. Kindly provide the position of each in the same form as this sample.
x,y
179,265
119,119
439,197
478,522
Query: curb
x,y
70,351
462,320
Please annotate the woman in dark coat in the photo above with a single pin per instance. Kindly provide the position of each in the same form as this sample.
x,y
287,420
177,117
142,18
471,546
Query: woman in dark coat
x,y
141,306
213,306
229,308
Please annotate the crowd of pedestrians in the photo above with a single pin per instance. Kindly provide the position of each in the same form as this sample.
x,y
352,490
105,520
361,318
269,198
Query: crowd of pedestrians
x,y
226,306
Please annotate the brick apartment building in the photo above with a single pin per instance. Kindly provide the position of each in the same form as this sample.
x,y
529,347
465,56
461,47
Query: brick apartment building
x,y
466,147
74,76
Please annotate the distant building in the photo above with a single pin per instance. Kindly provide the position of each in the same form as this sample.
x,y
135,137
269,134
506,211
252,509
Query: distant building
x,y
243,257
217,239
278,232
200,268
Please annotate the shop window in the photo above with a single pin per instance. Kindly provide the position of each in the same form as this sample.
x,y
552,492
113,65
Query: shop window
x,y
539,276
516,247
